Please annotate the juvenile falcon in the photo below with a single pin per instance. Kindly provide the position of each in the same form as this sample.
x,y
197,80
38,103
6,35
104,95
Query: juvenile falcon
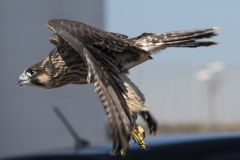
x,y
84,54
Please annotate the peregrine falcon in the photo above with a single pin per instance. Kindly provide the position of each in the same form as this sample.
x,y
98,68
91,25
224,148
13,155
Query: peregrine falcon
x,y
85,54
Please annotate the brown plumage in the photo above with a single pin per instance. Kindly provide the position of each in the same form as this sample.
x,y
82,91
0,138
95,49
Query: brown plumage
x,y
85,54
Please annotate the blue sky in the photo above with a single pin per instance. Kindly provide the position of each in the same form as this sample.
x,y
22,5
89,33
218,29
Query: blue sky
x,y
168,81
135,17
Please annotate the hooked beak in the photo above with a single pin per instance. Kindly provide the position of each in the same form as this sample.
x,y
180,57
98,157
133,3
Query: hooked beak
x,y
23,80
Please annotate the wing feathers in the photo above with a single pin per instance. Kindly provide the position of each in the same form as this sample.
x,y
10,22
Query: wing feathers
x,y
109,92
93,36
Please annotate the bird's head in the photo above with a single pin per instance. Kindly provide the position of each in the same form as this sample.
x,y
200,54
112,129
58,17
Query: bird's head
x,y
38,75
33,76
55,71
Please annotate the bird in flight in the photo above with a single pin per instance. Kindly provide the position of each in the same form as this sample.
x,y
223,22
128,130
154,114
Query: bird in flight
x,y
85,54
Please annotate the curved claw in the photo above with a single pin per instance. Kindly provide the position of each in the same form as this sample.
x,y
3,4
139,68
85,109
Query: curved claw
x,y
138,136
143,135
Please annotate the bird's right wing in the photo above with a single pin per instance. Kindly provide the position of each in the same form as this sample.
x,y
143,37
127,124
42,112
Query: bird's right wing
x,y
107,88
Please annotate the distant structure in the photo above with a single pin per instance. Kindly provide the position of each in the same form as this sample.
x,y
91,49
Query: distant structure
x,y
212,74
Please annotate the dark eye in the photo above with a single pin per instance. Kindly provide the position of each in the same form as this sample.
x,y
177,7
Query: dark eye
x,y
31,72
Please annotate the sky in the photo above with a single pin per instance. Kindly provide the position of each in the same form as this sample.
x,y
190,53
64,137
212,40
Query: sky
x,y
135,17
168,81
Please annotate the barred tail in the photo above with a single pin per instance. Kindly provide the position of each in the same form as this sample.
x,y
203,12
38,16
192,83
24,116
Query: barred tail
x,y
188,38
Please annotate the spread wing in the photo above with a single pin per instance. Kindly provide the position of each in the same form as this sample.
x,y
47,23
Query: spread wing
x,y
106,87
93,36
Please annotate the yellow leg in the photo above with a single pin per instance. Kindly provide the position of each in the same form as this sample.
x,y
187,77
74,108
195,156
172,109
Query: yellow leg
x,y
137,134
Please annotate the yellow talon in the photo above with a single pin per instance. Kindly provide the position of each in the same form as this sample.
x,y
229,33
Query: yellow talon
x,y
123,152
137,134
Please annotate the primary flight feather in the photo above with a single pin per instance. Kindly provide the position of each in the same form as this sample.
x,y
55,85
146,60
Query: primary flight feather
x,y
85,54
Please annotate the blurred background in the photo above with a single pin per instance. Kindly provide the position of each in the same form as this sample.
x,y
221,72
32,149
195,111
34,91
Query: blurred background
x,y
188,90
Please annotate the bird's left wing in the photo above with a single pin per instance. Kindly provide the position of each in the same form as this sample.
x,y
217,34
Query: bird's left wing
x,y
107,88
89,35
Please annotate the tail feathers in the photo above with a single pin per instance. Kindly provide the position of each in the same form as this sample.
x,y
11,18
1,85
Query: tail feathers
x,y
188,38
192,44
